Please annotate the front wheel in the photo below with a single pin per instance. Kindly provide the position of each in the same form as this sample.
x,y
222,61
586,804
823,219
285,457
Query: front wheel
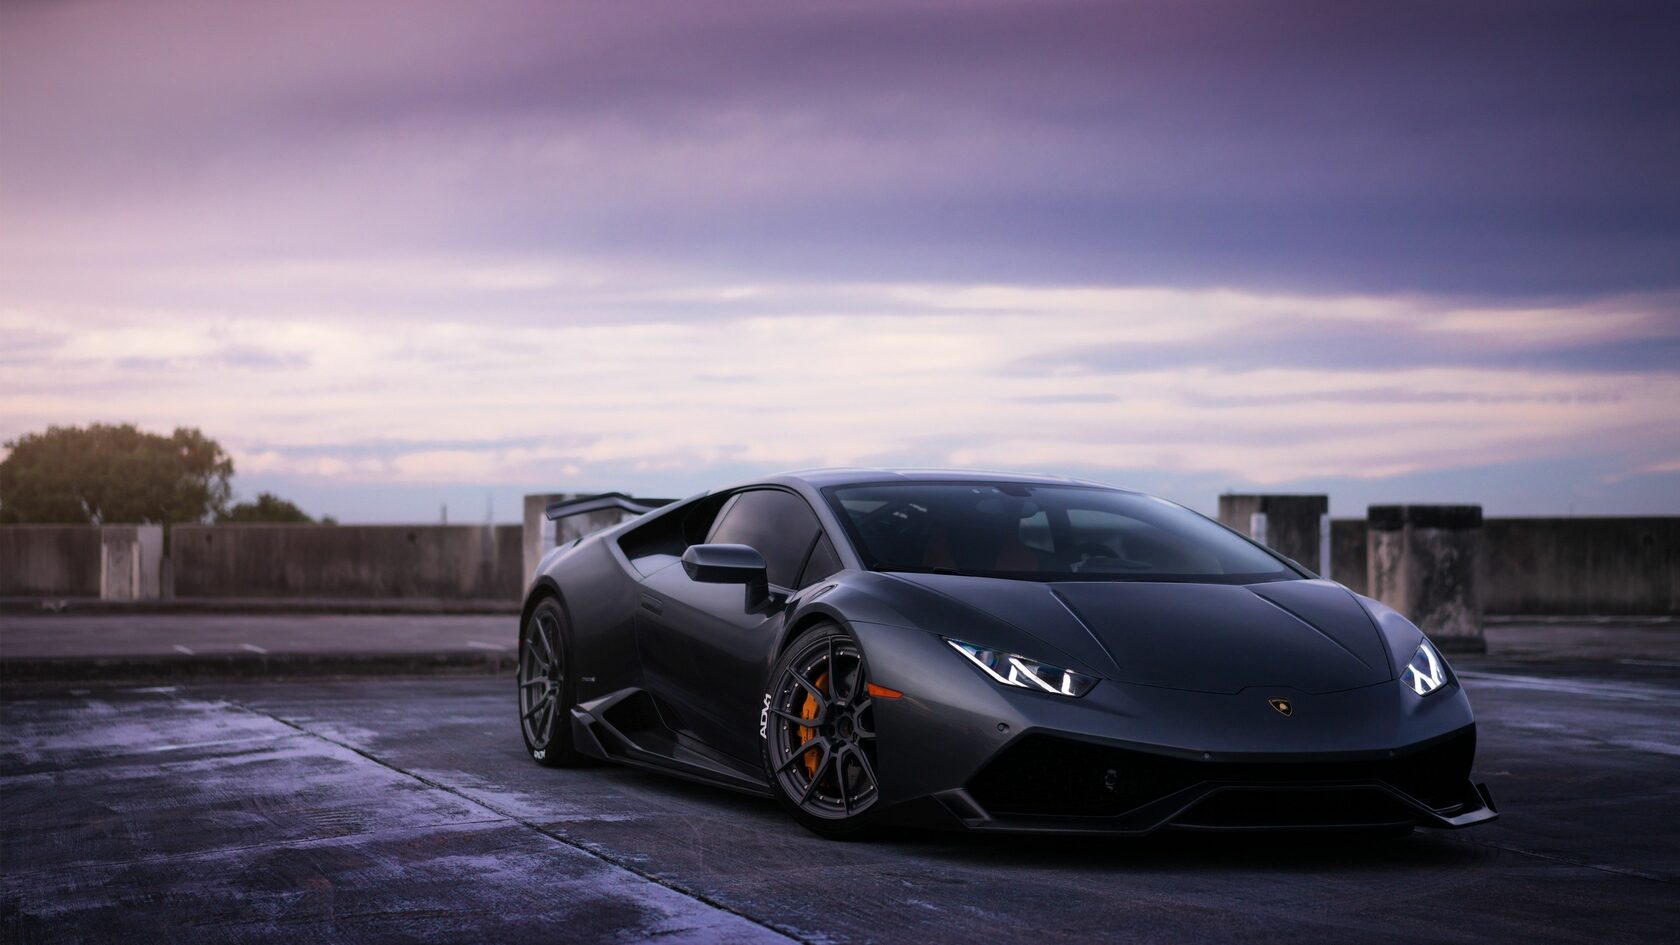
x,y
545,687
819,734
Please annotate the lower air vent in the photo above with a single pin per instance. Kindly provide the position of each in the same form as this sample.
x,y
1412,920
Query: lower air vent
x,y
1048,776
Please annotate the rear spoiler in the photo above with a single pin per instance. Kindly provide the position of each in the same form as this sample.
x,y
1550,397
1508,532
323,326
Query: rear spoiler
x,y
566,508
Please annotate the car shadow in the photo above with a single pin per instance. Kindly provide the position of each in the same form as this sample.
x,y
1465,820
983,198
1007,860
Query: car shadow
x,y
1275,851
1270,851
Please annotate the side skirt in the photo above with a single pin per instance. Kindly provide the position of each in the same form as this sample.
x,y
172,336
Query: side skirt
x,y
641,743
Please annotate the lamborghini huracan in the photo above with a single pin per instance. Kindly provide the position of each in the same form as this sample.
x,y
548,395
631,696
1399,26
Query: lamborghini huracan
x,y
988,652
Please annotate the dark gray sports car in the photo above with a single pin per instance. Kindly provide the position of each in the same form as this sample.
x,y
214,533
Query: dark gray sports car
x,y
990,652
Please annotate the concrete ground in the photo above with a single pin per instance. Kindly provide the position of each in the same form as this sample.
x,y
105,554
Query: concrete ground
x,y
401,809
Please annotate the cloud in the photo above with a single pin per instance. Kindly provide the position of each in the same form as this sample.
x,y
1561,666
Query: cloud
x,y
1511,150
1662,467
21,345
255,358
1192,381
398,244
1317,338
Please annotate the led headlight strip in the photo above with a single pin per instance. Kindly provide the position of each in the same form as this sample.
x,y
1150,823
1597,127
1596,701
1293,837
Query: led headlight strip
x,y
1023,673
1424,674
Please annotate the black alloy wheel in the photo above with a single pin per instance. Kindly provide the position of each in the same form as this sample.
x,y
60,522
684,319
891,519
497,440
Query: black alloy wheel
x,y
819,733
545,691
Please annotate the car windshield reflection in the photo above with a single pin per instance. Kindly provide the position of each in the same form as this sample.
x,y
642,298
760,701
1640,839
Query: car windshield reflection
x,y
1044,532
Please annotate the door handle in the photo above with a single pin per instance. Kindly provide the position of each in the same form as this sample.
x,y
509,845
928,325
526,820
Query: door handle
x,y
652,605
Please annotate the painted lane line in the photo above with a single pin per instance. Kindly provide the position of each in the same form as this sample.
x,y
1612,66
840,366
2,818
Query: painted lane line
x,y
252,647
479,645
182,649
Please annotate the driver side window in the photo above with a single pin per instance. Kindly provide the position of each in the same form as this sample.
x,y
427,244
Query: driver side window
x,y
778,524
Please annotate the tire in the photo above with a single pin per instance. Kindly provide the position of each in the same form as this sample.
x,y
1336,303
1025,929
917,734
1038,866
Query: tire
x,y
546,687
819,750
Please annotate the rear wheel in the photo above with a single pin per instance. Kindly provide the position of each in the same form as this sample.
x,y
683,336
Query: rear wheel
x,y
819,734
545,688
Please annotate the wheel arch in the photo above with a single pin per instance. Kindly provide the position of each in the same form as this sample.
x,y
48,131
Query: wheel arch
x,y
545,588
802,624
843,600
856,823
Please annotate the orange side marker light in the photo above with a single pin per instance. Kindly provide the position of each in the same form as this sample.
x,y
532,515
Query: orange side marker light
x,y
882,692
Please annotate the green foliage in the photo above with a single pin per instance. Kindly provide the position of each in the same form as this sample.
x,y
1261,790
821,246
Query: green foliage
x,y
106,473
268,508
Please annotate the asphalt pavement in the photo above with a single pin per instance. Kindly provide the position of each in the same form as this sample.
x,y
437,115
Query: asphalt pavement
x,y
392,809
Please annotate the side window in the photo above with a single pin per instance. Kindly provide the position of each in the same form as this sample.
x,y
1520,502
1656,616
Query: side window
x,y
1035,532
674,529
779,524
822,563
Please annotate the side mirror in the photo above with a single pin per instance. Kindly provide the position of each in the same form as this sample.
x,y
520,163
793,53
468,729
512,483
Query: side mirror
x,y
729,564
723,564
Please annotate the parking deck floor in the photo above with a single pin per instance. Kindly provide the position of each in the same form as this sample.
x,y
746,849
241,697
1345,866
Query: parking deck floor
x,y
403,809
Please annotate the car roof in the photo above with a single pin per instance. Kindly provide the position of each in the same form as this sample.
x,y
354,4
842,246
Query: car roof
x,y
820,478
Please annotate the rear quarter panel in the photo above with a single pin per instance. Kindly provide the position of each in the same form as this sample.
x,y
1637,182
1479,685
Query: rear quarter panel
x,y
598,592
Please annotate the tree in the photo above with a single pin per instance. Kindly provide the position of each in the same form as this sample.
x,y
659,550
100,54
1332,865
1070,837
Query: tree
x,y
108,473
268,508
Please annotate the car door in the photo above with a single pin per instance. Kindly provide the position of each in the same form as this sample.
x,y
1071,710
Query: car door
x,y
702,650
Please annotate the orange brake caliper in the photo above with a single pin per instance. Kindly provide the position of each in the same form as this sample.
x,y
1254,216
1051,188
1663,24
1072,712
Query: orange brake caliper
x,y
808,712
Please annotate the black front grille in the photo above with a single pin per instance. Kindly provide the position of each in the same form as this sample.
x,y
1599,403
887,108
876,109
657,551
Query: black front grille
x,y
1047,776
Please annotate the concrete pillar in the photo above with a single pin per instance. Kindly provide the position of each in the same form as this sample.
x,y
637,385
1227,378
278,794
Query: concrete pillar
x,y
542,535
1422,560
130,562
1292,525
1347,549
150,540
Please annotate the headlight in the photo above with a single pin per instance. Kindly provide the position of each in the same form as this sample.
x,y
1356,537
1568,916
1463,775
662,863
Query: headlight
x,y
1424,674
1012,670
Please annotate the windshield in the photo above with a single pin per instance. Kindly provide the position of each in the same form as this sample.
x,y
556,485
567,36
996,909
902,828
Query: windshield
x,y
1044,533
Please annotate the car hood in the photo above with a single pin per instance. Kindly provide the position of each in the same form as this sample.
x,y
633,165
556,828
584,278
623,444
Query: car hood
x,y
1311,636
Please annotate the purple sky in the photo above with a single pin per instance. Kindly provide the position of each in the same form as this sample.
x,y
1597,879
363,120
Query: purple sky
x,y
395,255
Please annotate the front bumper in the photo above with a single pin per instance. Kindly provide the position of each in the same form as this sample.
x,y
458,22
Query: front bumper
x,y
1045,783
1225,808
961,751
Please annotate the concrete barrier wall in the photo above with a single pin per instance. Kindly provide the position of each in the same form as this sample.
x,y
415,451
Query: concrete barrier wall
x,y
1531,565
50,560
1582,565
1606,566
348,561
